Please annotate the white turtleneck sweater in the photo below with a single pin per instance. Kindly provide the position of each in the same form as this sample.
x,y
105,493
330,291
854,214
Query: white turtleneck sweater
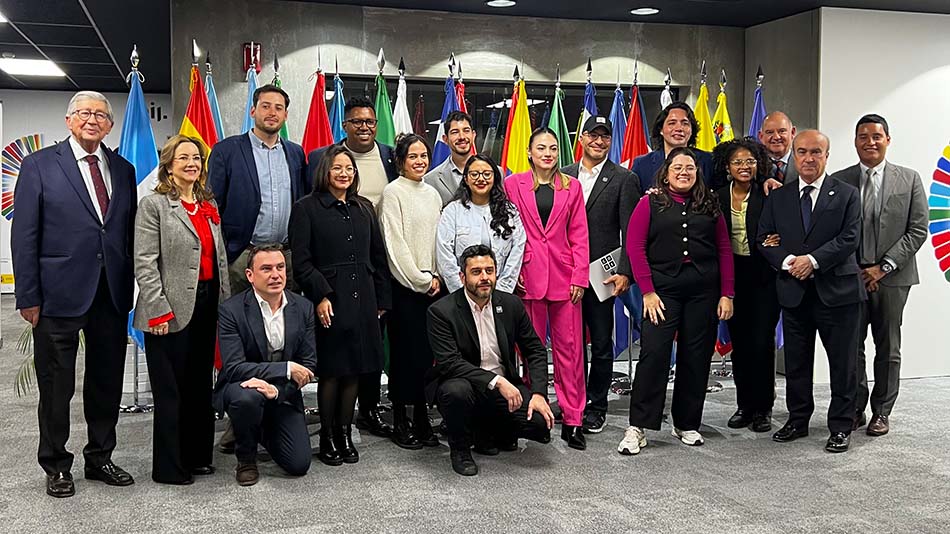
x,y
408,218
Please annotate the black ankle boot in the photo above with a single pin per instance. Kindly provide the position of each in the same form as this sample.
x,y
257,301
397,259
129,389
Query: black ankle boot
x,y
402,430
422,428
344,443
329,452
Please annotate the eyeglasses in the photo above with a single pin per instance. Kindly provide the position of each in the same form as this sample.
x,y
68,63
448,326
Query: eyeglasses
x,y
596,136
681,168
740,162
187,159
336,169
85,114
484,176
359,123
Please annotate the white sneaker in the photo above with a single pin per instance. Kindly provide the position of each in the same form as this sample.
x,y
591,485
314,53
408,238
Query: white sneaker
x,y
633,440
689,437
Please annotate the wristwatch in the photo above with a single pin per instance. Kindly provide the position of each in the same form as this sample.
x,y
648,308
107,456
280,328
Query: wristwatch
x,y
887,267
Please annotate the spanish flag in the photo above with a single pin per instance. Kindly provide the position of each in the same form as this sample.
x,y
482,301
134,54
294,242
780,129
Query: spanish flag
x,y
198,121
514,157
705,139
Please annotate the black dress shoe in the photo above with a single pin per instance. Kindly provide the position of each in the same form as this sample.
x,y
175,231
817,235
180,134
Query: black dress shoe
x,y
329,452
184,482
372,421
574,436
463,463
203,470
60,485
109,473
838,442
403,436
761,422
859,420
740,419
789,432
344,443
422,430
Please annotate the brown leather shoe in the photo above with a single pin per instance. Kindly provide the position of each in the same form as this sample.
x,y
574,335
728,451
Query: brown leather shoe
x,y
246,474
878,425
859,421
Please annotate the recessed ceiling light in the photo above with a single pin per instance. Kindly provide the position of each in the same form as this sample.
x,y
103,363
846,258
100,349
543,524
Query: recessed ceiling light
x,y
30,67
643,11
500,3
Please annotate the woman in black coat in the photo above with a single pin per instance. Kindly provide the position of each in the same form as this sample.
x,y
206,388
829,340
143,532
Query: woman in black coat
x,y
340,264
745,164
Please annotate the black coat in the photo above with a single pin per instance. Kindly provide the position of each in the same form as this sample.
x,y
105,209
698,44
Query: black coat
x,y
338,253
764,273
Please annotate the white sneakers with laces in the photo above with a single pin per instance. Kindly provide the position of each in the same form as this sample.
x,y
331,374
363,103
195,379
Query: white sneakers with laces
x,y
689,437
633,440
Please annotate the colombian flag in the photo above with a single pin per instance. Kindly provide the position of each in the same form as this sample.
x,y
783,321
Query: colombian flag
x,y
514,156
198,121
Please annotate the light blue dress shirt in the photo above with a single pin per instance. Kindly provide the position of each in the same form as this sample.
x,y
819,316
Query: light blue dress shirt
x,y
273,174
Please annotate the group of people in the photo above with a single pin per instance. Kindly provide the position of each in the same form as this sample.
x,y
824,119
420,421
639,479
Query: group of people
x,y
299,266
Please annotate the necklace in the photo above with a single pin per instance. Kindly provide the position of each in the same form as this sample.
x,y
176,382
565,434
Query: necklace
x,y
190,212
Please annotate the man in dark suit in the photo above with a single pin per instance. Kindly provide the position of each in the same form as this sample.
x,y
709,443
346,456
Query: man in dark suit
x,y
818,221
776,135
675,126
893,228
267,354
610,194
72,259
475,380
374,162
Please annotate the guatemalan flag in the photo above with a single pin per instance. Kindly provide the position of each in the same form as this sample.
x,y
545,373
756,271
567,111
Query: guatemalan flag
x,y
251,87
442,151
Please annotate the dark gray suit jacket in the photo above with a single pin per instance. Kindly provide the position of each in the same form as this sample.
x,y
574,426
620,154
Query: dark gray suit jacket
x,y
903,219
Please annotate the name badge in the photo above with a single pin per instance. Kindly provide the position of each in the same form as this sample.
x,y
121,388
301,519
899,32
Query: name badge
x,y
497,309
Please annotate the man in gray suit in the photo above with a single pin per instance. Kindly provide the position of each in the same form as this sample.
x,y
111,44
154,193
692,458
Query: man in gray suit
x,y
893,228
776,134
460,136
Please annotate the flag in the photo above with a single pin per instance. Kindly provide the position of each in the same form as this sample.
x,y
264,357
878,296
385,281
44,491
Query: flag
x,y
618,118
558,123
198,122
758,114
460,96
402,121
488,144
213,103
514,156
337,106
705,140
316,132
722,124
590,109
385,131
636,140
723,341
251,87
284,132
442,151
419,126
666,97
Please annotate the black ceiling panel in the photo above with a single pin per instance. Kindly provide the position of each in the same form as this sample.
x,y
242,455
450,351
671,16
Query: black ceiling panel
x,y
80,55
47,34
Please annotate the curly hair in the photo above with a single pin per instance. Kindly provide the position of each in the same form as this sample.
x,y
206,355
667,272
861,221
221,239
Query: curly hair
x,y
724,152
502,209
705,201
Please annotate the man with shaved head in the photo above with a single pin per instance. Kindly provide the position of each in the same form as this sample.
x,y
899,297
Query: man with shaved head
x,y
776,134
818,223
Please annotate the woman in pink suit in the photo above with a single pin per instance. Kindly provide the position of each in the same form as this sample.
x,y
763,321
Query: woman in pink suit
x,y
555,270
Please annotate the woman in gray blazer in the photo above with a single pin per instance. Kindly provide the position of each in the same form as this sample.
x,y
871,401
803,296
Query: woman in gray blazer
x,y
182,272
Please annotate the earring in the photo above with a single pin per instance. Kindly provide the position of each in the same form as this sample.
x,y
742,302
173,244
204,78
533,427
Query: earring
x,y
666,180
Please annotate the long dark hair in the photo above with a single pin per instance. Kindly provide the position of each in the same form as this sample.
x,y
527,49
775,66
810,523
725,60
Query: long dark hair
x,y
704,201
401,151
321,176
502,209
724,152
657,128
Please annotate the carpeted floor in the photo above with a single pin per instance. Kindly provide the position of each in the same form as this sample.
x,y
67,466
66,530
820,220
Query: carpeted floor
x,y
738,482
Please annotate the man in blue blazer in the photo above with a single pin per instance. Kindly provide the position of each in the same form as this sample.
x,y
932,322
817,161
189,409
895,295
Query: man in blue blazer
x,y
71,240
674,127
256,177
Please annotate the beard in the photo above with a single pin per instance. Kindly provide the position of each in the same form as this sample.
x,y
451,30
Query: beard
x,y
267,129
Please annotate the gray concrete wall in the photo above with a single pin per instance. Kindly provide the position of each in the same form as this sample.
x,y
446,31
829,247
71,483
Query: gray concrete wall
x,y
789,51
488,47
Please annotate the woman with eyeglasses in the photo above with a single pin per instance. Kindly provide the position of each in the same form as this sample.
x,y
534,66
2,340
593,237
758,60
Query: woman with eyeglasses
x,y
182,271
408,217
752,328
340,264
682,260
480,213
555,270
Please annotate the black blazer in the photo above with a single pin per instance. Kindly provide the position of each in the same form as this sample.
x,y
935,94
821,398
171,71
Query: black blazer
x,y
764,273
385,154
454,341
609,207
832,241
243,343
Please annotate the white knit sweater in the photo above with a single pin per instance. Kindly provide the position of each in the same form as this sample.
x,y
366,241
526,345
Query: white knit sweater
x,y
408,218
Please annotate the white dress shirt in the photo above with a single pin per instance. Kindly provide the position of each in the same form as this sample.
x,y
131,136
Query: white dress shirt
x,y
273,325
588,178
786,263
80,154
487,338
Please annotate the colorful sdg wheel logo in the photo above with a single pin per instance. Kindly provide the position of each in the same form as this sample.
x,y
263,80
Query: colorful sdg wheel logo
x,y
12,158
939,203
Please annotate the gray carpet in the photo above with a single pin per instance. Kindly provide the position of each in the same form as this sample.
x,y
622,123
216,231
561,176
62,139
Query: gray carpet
x,y
738,482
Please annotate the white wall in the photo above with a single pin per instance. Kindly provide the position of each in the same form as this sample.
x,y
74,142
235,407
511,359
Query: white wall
x,y
894,64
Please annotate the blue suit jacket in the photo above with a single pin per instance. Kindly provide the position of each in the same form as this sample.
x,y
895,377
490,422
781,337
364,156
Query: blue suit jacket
x,y
232,176
647,165
385,154
59,246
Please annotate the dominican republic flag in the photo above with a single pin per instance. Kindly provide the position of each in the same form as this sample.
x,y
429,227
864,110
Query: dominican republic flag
x,y
590,109
441,151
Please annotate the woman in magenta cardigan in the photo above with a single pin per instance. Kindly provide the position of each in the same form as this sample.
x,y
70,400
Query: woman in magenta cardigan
x,y
681,258
555,270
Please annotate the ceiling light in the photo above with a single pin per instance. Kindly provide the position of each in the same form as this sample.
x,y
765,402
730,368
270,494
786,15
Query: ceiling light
x,y
644,11
500,3
3,19
30,67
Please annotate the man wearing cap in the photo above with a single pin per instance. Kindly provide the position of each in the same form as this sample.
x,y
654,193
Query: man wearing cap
x,y
610,194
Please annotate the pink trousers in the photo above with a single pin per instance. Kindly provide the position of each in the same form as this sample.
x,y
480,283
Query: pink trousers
x,y
567,346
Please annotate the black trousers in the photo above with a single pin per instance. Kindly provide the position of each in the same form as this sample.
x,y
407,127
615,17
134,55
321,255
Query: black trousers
x,y
690,299
410,354
483,414
180,366
279,426
752,330
599,320
838,328
55,341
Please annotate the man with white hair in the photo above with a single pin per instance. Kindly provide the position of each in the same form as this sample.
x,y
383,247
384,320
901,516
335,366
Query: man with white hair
x,y
72,259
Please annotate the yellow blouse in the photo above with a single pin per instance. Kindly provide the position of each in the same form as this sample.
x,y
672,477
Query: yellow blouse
x,y
739,237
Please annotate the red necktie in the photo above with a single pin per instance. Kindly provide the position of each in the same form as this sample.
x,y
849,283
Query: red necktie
x,y
98,184
780,170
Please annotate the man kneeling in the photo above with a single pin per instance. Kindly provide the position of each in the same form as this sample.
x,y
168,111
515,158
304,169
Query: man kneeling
x,y
267,354
475,381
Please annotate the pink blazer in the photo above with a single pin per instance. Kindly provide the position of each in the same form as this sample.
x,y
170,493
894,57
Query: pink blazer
x,y
556,256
